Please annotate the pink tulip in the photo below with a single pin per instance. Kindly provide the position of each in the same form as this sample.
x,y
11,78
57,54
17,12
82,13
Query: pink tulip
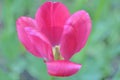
x,y
55,36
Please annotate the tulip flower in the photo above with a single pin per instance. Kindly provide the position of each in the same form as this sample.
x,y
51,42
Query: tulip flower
x,y
55,36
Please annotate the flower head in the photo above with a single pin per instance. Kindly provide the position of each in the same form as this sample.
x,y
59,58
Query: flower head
x,y
55,36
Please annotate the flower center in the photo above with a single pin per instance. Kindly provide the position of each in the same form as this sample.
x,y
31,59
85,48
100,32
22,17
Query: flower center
x,y
56,53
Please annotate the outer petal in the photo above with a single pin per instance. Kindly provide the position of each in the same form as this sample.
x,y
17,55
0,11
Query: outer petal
x,y
51,17
21,23
76,32
41,44
62,68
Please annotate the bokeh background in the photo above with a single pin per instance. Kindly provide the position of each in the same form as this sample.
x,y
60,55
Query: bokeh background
x,y
100,58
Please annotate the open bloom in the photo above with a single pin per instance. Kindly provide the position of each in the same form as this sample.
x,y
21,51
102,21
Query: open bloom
x,y
55,36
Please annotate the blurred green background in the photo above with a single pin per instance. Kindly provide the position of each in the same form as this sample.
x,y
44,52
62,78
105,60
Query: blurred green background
x,y
100,58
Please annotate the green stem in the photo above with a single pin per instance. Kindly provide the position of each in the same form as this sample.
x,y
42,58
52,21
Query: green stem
x,y
52,78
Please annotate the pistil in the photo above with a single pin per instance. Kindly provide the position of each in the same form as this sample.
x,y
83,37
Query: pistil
x,y
56,53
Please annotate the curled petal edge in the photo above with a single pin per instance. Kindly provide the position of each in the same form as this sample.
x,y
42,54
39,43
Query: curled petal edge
x,y
62,68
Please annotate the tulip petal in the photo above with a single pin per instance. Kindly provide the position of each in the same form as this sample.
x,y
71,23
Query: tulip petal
x,y
51,17
62,68
21,23
75,35
41,43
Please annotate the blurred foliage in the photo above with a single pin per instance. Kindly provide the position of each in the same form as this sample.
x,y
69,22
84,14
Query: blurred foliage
x,y
100,57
